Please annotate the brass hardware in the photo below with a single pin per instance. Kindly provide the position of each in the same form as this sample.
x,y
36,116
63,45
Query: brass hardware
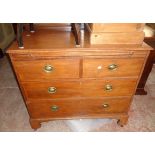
x,y
105,105
48,68
52,90
54,108
112,67
108,87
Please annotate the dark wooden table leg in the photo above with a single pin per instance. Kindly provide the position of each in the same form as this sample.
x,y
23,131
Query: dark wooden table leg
x,y
19,35
147,69
76,30
1,53
15,27
32,28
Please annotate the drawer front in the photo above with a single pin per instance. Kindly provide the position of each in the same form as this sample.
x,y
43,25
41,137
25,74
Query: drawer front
x,y
109,87
84,88
71,108
51,90
117,38
99,68
47,69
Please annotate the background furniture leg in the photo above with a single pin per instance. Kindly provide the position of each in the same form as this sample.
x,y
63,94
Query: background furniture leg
x,y
19,35
147,69
32,28
76,31
1,53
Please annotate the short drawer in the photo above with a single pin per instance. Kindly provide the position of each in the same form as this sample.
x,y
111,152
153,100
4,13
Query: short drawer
x,y
108,87
111,67
47,69
51,90
76,107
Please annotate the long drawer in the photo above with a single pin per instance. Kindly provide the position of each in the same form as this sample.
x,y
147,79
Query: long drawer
x,y
79,88
77,107
36,70
98,68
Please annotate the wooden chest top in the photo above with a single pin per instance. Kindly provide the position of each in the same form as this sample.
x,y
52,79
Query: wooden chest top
x,y
55,40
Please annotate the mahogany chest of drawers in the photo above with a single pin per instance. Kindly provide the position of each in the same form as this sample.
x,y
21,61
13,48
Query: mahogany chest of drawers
x,y
61,81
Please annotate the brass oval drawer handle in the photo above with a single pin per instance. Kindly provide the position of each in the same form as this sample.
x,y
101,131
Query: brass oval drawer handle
x,y
48,68
105,105
52,90
54,108
108,87
112,67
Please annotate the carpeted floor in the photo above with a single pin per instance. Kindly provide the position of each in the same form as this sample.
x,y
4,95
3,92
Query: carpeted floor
x,y
14,116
